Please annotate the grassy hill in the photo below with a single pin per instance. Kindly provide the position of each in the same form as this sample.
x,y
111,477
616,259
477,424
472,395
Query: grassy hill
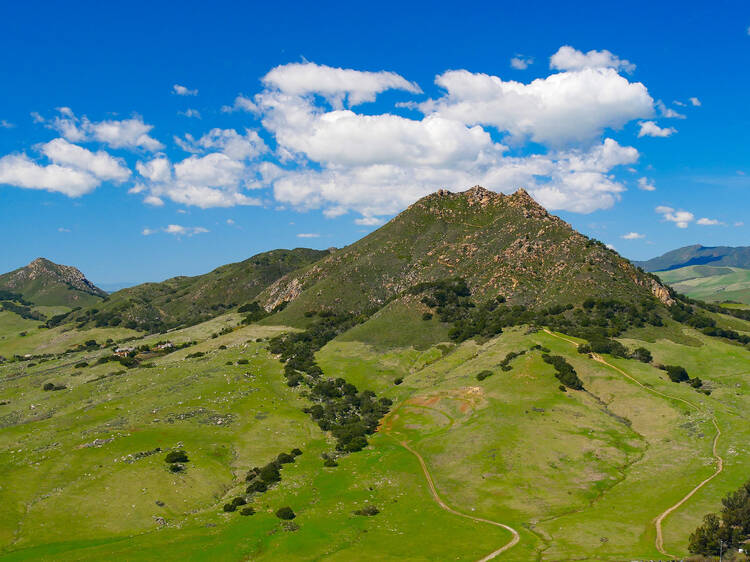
x,y
190,300
710,283
438,422
501,245
719,256
45,283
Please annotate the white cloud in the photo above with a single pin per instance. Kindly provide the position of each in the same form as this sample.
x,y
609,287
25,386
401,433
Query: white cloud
x,y
179,230
183,91
126,133
99,163
681,218
668,112
633,236
335,84
568,58
148,231
230,222
308,235
739,223
228,141
241,103
190,113
6,124
562,109
709,222
369,221
63,229
695,101
646,184
153,200
651,129
213,180
521,62
20,171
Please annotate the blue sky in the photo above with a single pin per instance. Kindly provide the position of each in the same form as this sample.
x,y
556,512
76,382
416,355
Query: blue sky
x,y
143,140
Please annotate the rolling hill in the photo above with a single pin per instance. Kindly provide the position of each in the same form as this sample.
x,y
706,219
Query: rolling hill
x,y
710,283
190,300
719,256
45,283
475,380
500,245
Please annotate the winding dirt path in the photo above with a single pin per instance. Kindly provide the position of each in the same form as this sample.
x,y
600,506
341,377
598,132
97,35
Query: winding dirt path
x,y
387,428
659,542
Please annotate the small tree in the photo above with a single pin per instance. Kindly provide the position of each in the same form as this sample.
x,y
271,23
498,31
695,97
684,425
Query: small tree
x,y
286,513
176,456
247,511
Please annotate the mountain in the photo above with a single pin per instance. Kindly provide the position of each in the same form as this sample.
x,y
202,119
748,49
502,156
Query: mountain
x,y
710,283
45,283
699,255
189,300
499,244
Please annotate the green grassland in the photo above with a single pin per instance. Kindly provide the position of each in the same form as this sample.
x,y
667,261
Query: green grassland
x,y
710,283
579,474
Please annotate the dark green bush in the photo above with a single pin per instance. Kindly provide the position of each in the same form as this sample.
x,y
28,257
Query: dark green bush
x,y
247,511
176,456
285,513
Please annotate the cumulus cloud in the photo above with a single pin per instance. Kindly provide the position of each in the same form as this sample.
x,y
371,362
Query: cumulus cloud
x,y
6,124
562,109
568,58
651,129
709,222
646,184
633,236
681,218
521,62
695,102
21,171
337,85
183,91
235,145
213,180
130,133
100,164
74,171
241,103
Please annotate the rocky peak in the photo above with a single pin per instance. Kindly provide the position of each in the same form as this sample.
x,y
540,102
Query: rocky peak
x,y
50,272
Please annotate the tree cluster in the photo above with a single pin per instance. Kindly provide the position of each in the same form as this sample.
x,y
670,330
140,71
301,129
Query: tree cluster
x,y
728,530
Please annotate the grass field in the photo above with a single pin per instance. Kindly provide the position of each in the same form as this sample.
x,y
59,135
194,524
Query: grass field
x,y
581,475
710,283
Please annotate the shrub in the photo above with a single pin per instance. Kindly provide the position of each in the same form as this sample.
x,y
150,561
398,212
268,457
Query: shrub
x,y
176,456
398,380
176,467
242,361
228,507
676,373
48,386
257,486
285,458
484,374
270,473
247,511
562,388
330,463
285,513
427,316
296,452
642,354
238,501
81,365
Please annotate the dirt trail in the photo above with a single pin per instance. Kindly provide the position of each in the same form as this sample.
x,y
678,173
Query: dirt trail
x,y
430,482
659,542
387,428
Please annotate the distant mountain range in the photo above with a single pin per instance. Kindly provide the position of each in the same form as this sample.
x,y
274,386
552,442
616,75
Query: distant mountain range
x,y
726,256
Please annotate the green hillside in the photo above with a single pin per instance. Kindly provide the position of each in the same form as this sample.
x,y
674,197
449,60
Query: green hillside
x,y
710,283
501,245
189,300
473,381
45,283
719,256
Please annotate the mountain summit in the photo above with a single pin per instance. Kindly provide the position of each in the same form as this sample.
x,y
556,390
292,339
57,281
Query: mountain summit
x,y
46,283
502,245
